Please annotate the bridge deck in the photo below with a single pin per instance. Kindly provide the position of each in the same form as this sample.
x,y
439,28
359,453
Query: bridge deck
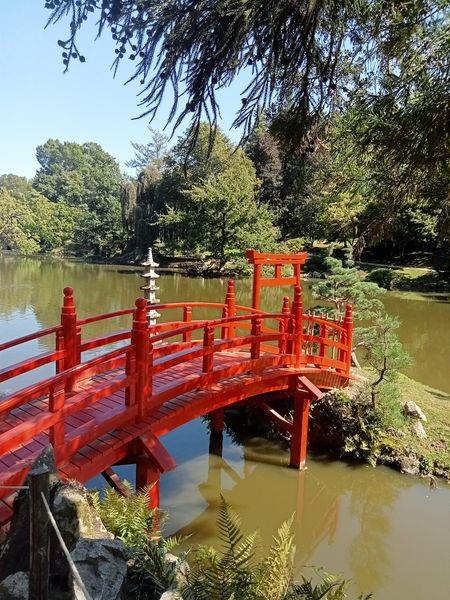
x,y
114,446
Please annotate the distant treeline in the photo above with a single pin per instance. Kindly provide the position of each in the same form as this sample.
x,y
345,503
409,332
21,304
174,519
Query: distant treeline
x,y
219,200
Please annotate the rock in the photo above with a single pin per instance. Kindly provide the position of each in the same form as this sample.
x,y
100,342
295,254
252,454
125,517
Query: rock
x,y
413,410
316,275
15,587
180,566
102,566
75,516
419,430
171,595
409,465
15,550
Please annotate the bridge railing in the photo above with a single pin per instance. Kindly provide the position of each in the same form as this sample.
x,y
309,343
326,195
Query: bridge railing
x,y
322,341
289,338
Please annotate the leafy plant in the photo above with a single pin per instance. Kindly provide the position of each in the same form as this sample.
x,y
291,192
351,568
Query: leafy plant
x,y
128,517
343,285
235,573
383,350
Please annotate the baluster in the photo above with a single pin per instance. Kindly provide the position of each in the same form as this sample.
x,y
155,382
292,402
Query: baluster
x,y
255,349
187,318
323,335
56,401
283,326
208,348
230,301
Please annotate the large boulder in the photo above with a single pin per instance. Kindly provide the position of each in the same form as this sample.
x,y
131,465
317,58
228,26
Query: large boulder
x,y
102,566
76,519
75,516
409,465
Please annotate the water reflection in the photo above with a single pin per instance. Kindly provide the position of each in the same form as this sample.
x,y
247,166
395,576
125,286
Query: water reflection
x,y
387,532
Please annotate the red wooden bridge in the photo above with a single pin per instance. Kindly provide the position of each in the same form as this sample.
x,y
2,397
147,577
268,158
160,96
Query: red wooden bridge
x,y
113,409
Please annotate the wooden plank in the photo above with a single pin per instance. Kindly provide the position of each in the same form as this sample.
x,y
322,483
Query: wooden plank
x,y
115,482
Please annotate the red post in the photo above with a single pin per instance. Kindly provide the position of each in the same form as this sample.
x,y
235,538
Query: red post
x,y
69,339
130,369
230,301
297,314
299,439
348,324
323,337
283,326
187,318
208,345
217,420
147,476
255,349
256,285
225,328
141,342
55,404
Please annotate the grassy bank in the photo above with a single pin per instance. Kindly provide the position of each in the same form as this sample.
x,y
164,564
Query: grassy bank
x,y
394,277
434,451
347,422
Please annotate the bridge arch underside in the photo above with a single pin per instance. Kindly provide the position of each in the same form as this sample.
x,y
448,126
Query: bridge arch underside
x,y
247,388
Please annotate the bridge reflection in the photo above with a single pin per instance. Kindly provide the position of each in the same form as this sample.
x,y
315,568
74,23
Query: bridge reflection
x,y
261,507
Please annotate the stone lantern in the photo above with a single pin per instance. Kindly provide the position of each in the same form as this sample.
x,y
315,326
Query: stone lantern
x,y
150,288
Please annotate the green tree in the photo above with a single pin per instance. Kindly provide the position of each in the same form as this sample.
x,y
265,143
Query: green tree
x,y
45,223
229,219
152,153
88,178
264,151
383,351
344,286
16,223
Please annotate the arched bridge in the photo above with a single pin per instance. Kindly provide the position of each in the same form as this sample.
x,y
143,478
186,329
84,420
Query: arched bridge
x,y
113,408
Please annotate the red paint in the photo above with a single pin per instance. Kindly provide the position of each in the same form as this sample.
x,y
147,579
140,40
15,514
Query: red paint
x,y
98,410
278,261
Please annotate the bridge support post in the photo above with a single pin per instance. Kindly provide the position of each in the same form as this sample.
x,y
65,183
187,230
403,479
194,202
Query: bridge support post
x,y
299,438
147,475
217,418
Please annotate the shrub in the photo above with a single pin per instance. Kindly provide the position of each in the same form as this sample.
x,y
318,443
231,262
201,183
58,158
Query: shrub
x,y
385,278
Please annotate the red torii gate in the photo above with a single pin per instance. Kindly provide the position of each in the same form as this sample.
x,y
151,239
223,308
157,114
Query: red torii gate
x,y
278,261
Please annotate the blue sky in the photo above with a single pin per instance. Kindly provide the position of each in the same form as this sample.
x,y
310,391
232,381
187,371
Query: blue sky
x,y
38,101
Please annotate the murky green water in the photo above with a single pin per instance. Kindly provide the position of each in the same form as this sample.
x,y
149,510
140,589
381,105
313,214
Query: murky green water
x,y
389,533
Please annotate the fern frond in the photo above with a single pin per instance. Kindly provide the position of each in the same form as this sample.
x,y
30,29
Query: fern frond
x,y
229,526
276,571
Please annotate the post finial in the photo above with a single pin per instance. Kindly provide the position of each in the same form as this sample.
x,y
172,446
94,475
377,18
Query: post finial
x,y
348,312
141,303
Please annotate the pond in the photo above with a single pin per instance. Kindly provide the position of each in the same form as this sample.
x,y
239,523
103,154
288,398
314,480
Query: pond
x,y
386,532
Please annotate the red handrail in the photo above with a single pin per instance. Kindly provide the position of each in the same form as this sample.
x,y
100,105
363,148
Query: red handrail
x,y
30,337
